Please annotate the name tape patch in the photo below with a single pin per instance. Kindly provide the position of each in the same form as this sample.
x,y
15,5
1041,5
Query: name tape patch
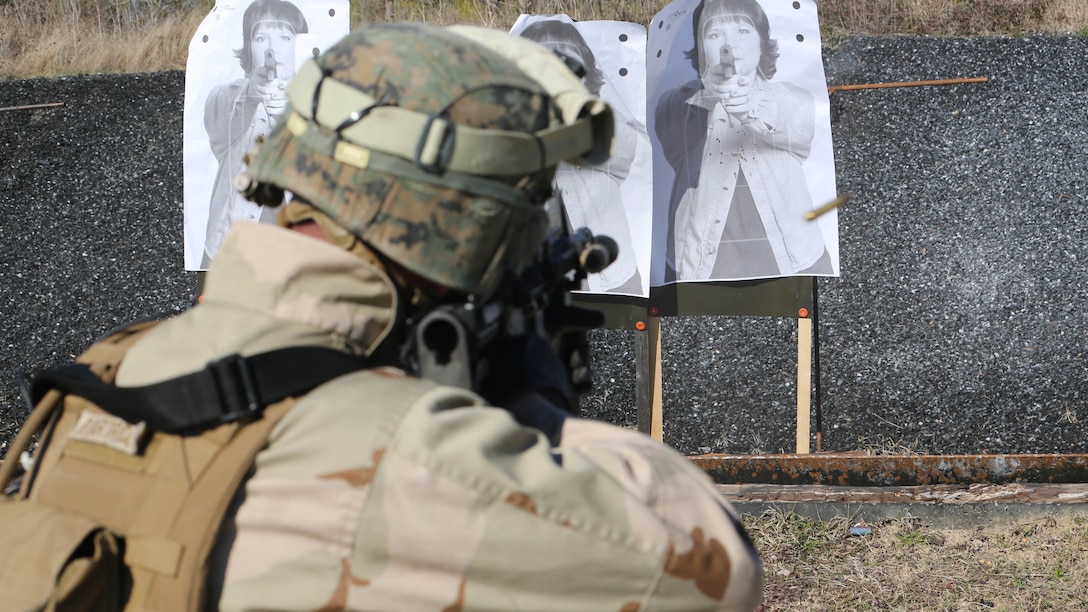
x,y
108,430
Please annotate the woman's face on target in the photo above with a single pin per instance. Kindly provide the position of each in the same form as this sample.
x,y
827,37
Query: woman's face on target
x,y
730,40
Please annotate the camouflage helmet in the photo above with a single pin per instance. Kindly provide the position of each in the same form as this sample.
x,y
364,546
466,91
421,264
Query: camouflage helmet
x,y
434,146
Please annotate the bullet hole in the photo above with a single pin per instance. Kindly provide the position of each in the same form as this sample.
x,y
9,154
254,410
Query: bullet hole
x,y
315,51
332,12
797,5
205,39
623,72
623,38
800,38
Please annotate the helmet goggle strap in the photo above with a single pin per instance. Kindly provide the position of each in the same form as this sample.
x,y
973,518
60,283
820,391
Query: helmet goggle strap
x,y
324,140
440,145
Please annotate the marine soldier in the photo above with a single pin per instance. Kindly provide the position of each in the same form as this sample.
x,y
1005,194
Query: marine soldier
x,y
419,160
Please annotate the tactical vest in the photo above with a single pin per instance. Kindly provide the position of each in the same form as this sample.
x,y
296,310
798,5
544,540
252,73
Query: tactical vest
x,y
128,487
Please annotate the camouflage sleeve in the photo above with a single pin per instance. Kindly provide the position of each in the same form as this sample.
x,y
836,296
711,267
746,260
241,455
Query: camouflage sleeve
x,y
380,492
707,561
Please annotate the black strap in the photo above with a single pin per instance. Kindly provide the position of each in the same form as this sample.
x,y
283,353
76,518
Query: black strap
x,y
226,390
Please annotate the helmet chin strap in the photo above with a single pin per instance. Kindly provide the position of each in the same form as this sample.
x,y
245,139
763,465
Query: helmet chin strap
x,y
298,212
419,292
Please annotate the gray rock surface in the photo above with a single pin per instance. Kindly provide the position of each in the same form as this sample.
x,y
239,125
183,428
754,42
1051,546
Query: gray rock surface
x,y
90,218
957,325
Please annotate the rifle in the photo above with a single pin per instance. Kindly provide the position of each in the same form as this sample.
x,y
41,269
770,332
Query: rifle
x,y
445,343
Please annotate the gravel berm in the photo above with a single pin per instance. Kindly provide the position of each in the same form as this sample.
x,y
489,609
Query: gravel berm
x,y
958,324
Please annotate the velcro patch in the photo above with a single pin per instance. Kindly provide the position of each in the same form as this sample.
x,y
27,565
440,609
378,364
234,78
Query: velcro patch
x,y
108,430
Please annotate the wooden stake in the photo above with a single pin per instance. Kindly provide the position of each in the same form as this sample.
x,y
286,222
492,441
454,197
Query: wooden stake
x,y
657,428
31,106
834,88
648,377
644,379
804,383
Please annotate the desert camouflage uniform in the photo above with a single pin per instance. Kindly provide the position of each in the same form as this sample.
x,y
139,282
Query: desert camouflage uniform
x,y
380,491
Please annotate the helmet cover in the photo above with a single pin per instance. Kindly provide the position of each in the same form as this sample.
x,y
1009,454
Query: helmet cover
x,y
463,229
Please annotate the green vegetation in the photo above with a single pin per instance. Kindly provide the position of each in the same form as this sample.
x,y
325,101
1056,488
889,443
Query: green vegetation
x,y
58,37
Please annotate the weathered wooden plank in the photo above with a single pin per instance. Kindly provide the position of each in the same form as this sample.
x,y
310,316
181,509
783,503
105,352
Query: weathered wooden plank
x,y
852,469
934,494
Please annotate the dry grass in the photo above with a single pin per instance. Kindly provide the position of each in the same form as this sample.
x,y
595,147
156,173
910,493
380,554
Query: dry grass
x,y
162,45
60,37
57,37
952,17
905,565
